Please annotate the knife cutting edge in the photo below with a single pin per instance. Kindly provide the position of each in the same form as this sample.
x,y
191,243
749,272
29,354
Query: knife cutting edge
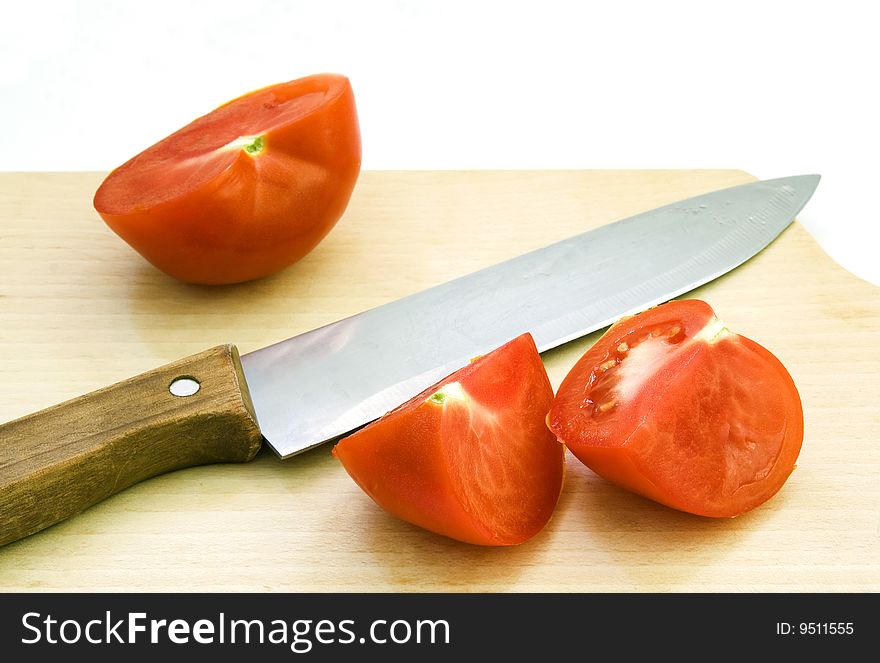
x,y
321,384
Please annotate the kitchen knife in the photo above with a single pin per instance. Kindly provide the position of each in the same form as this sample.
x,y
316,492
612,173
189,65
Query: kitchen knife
x,y
323,383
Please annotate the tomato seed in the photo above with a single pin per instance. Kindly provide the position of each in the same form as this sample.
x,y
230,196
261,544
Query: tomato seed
x,y
604,407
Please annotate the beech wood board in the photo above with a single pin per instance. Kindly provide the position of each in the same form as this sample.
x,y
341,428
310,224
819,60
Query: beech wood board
x,y
80,310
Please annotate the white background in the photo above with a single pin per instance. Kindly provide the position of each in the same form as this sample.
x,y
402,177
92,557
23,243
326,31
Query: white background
x,y
773,88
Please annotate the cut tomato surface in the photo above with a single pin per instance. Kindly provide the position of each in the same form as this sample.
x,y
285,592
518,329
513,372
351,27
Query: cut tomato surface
x,y
672,405
245,190
470,457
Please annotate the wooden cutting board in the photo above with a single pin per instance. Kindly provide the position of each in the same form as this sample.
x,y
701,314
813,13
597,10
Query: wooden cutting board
x,y
80,310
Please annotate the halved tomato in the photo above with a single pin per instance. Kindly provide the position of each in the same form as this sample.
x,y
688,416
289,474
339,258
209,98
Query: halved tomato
x,y
245,190
672,405
471,457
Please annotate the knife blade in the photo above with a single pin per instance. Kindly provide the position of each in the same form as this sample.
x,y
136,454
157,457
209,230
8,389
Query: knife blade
x,y
321,384
215,407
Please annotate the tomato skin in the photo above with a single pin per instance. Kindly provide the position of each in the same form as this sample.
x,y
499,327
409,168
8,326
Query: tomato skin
x,y
481,467
702,420
204,211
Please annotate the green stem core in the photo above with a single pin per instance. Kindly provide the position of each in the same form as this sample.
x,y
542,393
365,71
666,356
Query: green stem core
x,y
255,146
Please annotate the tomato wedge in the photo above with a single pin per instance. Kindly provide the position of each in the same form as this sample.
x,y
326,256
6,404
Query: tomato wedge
x,y
471,457
672,405
245,190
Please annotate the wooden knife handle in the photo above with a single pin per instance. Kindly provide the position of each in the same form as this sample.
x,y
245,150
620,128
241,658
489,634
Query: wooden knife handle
x,y
57,462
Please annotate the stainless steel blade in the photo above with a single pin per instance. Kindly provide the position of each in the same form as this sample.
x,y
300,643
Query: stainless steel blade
x,y
323,383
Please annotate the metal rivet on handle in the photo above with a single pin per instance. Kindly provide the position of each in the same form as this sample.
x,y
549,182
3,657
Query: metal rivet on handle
x,y
184,386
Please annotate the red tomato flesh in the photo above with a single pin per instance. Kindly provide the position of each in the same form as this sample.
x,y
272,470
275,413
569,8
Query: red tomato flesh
x,y
470,457
673,406
245,190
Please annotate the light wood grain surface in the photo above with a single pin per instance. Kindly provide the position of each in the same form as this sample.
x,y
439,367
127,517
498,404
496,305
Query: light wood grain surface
x,y
80,310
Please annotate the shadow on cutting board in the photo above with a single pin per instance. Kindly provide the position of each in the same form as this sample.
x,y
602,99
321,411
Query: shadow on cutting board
x,y
173,318
601,538
413,559
654,547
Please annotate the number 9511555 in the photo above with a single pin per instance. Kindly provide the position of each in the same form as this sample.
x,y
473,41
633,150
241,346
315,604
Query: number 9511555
x,y
815,628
